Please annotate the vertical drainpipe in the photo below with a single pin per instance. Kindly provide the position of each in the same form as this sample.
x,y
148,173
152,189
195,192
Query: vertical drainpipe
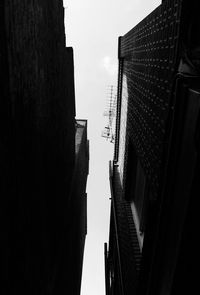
x,y
119,95
112,189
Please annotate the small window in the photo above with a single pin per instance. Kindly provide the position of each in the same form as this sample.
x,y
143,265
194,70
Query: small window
x,y
131,173
136,187
139,192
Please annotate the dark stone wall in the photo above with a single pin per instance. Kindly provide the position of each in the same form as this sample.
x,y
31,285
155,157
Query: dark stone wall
x,y
37,112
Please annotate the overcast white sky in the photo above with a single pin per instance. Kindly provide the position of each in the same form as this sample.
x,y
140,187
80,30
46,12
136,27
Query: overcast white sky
x,y
92,29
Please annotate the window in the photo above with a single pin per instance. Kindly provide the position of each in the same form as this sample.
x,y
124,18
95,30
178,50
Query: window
x,y
136,190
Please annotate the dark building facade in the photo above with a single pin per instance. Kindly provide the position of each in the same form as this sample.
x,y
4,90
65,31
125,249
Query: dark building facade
x,y
154,176
78,207
37,149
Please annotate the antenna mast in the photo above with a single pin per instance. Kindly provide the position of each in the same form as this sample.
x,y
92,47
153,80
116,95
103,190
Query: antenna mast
x,y
110,114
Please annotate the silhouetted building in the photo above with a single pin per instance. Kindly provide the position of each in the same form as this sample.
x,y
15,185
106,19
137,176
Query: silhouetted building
x,y
154,176
78,212
37,150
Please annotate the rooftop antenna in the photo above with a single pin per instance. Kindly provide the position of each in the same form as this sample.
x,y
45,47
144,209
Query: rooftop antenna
x,y
110,114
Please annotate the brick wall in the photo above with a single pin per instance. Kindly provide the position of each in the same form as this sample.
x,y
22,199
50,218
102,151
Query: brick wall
x,y
156,58
149,55
125,261
123,127
149,52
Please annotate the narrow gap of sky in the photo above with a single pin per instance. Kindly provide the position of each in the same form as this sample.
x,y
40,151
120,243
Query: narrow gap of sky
x,y
92,29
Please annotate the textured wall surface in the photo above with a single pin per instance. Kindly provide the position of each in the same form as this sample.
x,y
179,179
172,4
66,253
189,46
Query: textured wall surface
x,y
149,52
156,160
37,143
128,244
151,58
123,127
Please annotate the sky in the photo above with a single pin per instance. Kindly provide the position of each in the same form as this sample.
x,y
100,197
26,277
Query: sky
x,y
92,29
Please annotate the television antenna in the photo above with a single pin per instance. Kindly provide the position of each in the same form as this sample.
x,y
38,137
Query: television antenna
x,y
110,114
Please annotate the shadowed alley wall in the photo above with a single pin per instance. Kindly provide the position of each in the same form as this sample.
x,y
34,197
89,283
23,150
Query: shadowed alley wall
x,y
37,144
